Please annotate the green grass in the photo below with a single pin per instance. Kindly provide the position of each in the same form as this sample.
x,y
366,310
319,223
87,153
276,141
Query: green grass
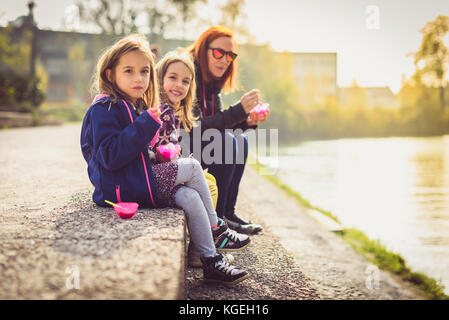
x,y
376,252
373,250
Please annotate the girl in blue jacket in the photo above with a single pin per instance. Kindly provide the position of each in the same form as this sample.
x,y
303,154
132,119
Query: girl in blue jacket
x,y
117,130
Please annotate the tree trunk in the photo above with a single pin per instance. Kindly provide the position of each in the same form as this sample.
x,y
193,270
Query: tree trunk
x,y
33,51
442,102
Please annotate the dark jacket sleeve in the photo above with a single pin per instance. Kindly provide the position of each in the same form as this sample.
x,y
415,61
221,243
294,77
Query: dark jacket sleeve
x,y
232,118
222,119
244,126
116,147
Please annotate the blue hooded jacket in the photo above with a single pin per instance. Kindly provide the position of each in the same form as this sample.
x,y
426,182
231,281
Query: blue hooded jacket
x,y
114,143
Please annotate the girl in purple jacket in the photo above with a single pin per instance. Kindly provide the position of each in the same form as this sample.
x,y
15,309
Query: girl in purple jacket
x,y
116,132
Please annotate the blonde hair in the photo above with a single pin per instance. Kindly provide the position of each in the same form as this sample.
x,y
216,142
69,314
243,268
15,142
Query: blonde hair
x,y
185,107
109,60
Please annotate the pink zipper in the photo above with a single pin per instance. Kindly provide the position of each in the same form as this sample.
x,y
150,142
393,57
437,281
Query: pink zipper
x,y
143,159
204,102
117,193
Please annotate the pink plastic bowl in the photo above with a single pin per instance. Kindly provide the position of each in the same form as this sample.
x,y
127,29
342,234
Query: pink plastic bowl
x,y
169,151
126,210
261,108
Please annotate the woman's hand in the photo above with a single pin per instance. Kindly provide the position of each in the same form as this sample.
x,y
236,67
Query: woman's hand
x,y
250,99
255,119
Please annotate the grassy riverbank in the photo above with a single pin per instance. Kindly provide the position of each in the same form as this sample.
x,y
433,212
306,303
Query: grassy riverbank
x,y
373,250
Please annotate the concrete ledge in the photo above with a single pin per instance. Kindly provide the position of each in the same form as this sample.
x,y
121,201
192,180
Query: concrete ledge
x,y
82,251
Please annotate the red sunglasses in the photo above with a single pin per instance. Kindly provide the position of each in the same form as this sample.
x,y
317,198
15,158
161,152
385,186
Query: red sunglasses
x,y
218,53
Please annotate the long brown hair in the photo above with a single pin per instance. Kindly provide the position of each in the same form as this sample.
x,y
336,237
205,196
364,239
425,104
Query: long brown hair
x,y
184,109
109,60
199,52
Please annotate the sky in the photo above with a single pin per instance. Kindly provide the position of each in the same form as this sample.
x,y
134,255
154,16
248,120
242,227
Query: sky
x,y
371,37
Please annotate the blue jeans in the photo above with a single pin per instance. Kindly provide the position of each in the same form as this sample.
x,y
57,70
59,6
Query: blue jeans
x,y
229,172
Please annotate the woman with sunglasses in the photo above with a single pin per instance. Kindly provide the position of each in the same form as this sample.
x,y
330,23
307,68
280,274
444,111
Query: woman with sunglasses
x,y
215,63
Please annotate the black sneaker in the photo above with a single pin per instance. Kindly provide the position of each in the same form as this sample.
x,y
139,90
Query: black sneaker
x,y
217,270
226,239
241,226
194,260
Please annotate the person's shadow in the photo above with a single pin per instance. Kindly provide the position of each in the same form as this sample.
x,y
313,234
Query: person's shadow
x,y
87,230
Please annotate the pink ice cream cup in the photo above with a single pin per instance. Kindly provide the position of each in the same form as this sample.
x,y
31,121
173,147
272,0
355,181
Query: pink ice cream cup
x,y
261,109
169,151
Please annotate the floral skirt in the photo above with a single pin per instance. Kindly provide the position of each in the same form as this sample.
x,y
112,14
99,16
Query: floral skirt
x,y
165,176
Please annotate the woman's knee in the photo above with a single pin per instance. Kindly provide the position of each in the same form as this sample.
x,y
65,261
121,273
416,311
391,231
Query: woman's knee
x,y
242,148
237,145
230,148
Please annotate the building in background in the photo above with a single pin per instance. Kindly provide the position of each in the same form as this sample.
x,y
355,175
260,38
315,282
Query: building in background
x,y
69,60
316,75
371,97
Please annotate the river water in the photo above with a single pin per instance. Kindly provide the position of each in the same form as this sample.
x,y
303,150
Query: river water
x,y
395,190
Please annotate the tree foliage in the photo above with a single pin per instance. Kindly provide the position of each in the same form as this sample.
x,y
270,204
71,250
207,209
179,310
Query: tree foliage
x,y
432,57
158,20
186,10
111,17
121,16
186,7
15,50
234,17
19,91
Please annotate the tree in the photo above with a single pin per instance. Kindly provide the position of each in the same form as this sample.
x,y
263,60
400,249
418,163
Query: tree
x,y
233,17
111,17
231,11
120,17
158,20
432,58
186,8
14,50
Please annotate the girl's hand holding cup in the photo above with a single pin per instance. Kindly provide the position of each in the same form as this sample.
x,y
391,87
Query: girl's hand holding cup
x,y
155,111
168,152
160,158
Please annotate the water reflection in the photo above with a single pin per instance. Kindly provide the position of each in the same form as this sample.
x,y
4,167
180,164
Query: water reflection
x,y
394,189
